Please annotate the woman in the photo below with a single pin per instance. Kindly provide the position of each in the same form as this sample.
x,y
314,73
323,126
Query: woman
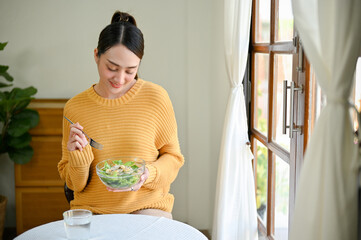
x,y
129,117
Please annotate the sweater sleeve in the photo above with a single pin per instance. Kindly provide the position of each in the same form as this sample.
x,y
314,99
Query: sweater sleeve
x,y
74,165
164,170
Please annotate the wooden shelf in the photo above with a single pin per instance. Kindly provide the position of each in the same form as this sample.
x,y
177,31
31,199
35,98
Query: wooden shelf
x,y
39,190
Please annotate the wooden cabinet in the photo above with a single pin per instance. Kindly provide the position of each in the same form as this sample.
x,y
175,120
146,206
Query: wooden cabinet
x,y
39,190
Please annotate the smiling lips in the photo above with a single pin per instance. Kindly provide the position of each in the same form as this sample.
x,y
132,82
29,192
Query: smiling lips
x,y
115,85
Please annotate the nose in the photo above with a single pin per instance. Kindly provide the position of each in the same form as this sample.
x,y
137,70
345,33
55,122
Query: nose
x,y
119,77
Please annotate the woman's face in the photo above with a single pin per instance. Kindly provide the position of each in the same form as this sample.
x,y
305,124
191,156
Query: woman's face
x,y
117,68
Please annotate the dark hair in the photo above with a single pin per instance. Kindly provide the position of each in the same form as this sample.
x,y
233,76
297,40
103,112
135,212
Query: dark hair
x,y
122,30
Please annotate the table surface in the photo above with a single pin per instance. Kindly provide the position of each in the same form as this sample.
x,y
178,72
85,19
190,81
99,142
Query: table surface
x,y
120,226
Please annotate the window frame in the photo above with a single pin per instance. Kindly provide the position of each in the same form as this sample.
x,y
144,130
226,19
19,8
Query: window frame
x,y
301,114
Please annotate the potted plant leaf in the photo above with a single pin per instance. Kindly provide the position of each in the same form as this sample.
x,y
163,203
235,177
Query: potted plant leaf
x,y
15,122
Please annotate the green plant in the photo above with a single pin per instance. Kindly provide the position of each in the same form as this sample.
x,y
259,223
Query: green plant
x,y
262,169
15,118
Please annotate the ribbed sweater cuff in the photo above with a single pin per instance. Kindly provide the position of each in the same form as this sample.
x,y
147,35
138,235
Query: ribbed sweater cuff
x,y
152,174
81,158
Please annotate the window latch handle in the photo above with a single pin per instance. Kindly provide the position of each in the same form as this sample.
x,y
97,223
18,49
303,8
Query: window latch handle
x,y
292,127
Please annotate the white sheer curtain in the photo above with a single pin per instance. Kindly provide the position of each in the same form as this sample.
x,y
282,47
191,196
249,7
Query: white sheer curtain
x,y
326,200
235,209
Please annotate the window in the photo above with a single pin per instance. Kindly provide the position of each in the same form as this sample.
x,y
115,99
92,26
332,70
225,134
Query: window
x,y
276,106
317,100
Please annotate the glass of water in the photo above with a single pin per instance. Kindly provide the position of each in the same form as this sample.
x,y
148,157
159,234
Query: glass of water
x,y
77,224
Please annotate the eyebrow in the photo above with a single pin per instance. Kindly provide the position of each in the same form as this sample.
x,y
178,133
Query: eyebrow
x,y
119,65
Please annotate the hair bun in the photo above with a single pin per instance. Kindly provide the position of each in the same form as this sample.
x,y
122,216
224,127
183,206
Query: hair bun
x,y
123,17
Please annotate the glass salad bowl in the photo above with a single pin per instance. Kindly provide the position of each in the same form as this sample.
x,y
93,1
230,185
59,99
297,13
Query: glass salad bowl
x,y
120,172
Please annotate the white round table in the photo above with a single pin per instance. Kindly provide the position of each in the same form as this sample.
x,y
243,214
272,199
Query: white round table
x,y
120,226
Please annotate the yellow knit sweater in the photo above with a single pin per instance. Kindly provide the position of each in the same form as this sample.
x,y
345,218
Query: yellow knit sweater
x,y
141,123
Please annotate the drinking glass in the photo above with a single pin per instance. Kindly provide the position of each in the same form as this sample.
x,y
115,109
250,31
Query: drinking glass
x,y
77,224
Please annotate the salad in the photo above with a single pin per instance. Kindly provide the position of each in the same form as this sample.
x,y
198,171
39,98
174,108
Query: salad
x,y
116,174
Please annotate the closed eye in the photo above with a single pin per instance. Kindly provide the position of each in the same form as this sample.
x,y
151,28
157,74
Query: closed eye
x,y
111,69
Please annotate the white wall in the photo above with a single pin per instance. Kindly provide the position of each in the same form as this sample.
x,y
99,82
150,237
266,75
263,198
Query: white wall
x,y
51,47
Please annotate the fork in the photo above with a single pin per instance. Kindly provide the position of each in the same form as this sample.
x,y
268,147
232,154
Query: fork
x,y
92,142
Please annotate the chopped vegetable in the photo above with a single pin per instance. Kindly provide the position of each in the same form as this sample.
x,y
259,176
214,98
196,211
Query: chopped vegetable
x,y
117,174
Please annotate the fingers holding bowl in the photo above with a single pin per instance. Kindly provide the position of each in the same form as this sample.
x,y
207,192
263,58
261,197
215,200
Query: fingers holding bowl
x,y
117,190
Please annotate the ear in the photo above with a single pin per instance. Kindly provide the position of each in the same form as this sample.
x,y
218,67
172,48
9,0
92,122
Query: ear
x,y
96,58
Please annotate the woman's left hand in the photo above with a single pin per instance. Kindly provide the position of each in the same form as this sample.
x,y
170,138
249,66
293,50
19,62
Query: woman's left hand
x,y
136,187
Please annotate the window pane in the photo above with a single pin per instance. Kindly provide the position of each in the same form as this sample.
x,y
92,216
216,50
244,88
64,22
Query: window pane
x,y
282,71
261,93
281,199
317,100
263,21
284,27
261,179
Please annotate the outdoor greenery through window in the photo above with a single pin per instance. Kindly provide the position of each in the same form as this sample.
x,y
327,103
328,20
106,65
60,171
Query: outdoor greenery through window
x,y
282,186
261,157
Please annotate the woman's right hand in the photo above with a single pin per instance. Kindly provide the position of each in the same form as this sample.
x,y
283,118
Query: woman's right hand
x,y
77,139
